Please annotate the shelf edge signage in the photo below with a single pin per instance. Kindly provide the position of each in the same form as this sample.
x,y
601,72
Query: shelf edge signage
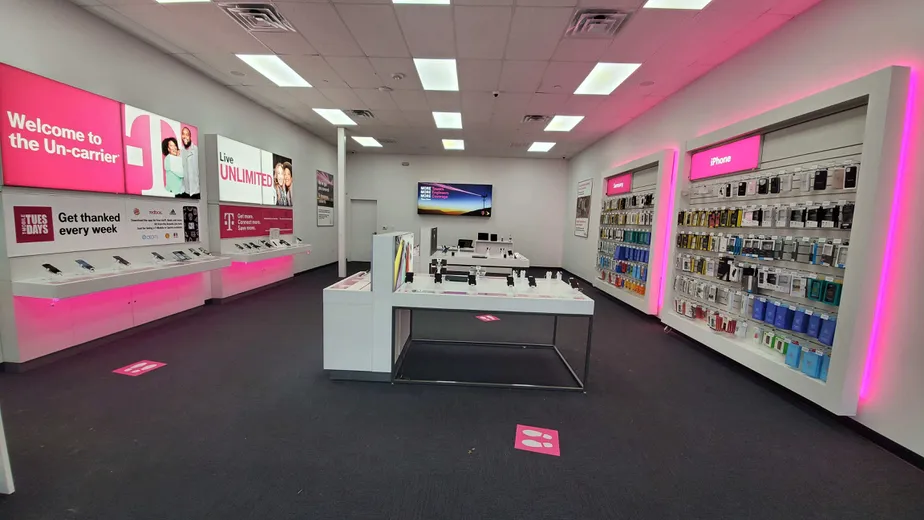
x,y
44,224
253,176
55,136
729,158
253,221
619,184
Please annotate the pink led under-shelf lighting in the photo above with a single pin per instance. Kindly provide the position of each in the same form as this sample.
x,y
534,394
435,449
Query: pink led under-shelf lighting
x,y
884,295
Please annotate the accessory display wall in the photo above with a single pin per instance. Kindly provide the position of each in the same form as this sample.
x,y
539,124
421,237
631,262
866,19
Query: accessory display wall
x,y
778,268
632,230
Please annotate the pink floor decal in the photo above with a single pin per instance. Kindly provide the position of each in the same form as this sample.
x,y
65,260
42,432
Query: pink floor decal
x,y
537,440
139,368
488,317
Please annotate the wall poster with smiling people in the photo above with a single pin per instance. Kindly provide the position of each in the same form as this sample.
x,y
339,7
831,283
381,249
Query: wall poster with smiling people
x,y
282,180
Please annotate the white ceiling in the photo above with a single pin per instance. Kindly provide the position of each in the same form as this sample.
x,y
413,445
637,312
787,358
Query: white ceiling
x,y
348,48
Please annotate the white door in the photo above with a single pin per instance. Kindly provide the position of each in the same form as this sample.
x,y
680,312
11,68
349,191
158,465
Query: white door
x,y
362,227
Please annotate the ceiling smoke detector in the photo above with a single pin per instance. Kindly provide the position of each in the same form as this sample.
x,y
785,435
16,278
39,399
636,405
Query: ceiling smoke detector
x,y
534,118
362,114
254,17
595,23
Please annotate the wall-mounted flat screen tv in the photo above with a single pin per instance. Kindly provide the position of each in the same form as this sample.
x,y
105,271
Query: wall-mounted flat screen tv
x,y
467,200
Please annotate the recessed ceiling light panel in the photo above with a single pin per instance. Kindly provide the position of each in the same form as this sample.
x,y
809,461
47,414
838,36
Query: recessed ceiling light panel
x,y
274,69
676,4
539,146
335,116
437,74
453,144
448,119
563,123
367,141
605,77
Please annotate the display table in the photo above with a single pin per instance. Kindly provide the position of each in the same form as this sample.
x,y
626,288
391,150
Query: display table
x,y
67,286
480,246
551,298
266,254
493,262
6,474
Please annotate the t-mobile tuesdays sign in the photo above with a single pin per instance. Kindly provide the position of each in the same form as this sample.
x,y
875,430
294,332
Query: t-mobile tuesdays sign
x,y
253,176
253,221
43,224
56,136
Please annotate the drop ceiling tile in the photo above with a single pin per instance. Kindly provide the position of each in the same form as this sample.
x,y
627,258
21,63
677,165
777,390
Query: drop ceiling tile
x,y
320,24
375,99
547,104
310,97
483,2
186,33
222,31
208,70
792,7
428,30
342,98
624,5
420,118
285,43
565,75
548,3
521,76
582,105
226,63
131,26
645,32
481,32
355,72
386,67
581,49
315,70
389,117
479,74
509,109
477,108
375,28
744,38
410,99
439,101
535,32
253,95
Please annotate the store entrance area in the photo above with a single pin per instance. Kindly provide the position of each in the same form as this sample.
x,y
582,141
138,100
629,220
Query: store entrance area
x,y
246,424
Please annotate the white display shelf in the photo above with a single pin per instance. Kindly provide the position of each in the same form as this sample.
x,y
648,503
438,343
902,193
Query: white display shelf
x,y
492,260
758,358
627,297
266,254
493,295
480,246
76,285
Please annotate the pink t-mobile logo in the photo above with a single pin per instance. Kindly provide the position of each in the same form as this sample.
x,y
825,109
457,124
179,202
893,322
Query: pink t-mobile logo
x,y
229,221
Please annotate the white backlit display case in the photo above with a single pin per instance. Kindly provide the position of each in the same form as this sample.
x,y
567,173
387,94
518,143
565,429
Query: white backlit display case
x,y
781,226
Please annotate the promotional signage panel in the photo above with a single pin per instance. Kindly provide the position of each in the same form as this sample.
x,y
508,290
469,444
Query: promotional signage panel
x,y
251,221
619,184
733,157
59,137
253,176
42,224
582,209
161,155
325,199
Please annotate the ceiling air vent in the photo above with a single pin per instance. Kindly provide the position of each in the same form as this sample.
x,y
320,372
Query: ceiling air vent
x,y
519,145
533,118
363,114
254,17
388,141
595,23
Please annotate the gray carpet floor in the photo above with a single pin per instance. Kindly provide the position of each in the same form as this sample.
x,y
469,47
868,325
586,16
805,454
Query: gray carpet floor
x,y
243,423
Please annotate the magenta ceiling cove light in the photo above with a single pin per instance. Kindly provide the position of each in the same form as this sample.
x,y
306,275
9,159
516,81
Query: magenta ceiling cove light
x,y
884,296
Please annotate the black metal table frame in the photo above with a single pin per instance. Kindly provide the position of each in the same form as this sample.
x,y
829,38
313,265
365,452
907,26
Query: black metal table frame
x,y
580,385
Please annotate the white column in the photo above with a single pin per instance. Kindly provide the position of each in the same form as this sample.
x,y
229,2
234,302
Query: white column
x,y
6,474
340,202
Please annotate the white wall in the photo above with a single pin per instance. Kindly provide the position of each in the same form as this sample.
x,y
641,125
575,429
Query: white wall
x,y
58,40
528,198
834,42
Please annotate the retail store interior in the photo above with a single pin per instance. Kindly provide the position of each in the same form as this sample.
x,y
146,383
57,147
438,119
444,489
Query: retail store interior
x,y
461,259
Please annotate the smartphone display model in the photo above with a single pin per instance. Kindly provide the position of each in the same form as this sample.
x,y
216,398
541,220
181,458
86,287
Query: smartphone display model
x,y
254,245
531,280
239,246
157,256
248,246
51,269
194,252
268,244
763,186
298,240
573,282
121,260
742,189
775,185
785,183
509,281
181,256
85,265
205,251
283,242
820,180
850,177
